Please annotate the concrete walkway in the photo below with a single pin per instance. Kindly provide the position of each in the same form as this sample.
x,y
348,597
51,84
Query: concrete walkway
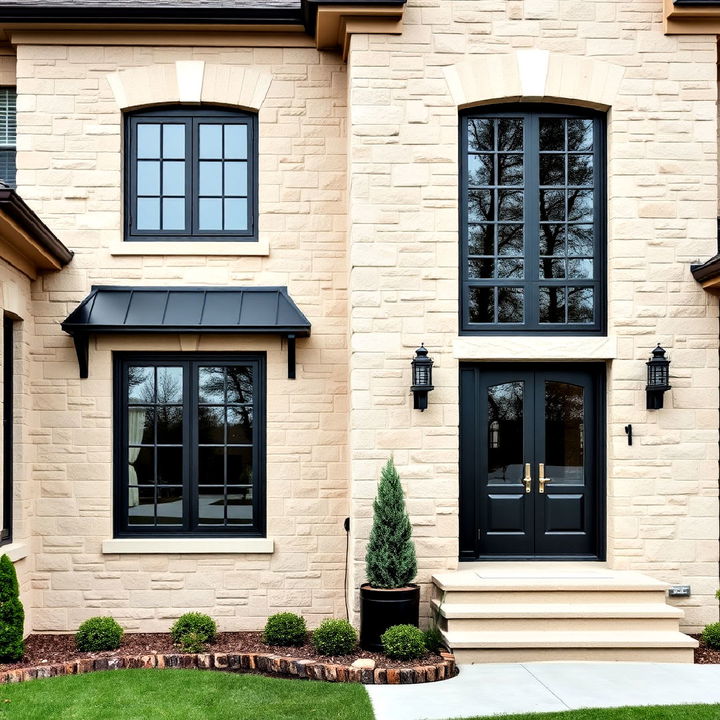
x,y
506,688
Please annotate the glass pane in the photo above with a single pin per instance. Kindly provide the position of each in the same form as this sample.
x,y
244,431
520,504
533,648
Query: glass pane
x,y
484,268
510,268
148,214
239,466
510,205
211,425
211,214
141,384
173,141
211,178
552,239
580,205
510,134
480,206
148,140
239,384
552,205
169,506
169,465
481,134
580,170
580,305
550,268
211,141
552,134
552,169
480,170
170,385
505,434
482,304
141,466
141,426
141,505
236,142
236,214
240,425
211,461
564,433
236,178
552,304
580,135
239,506
510,240
173,213
580,268
510,169
148,177
510,305
481,240
580,240
174,178
212,385
211,510
169,425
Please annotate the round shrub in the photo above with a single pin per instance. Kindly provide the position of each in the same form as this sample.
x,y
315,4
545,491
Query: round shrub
x,y
285,629
403,642
98,633
192,642
202,627
433,639
335,637
711,635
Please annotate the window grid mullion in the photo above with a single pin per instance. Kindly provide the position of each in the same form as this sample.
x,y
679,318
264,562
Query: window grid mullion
x,y
532,220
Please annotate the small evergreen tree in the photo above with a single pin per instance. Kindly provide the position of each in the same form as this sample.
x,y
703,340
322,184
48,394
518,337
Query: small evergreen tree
x,y
390,558
12,615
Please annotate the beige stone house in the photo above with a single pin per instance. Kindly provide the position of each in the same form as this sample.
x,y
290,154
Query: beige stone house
x,y
233,223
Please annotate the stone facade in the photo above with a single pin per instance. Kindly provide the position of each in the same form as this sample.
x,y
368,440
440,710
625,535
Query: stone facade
x,y
358,188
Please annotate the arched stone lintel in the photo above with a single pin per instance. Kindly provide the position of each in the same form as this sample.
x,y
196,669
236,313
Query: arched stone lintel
x,y
190,81
536,76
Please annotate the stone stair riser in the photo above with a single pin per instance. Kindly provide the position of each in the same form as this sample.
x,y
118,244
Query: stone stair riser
x,y
514,655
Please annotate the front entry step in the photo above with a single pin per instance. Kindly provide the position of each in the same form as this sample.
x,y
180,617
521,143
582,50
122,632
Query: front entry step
x,y
504,612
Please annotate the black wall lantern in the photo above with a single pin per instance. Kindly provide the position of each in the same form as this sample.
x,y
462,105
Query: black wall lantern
x,y
658,378
421,378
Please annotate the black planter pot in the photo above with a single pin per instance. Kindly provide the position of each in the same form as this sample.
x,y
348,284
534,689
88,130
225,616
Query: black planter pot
x,y
381,609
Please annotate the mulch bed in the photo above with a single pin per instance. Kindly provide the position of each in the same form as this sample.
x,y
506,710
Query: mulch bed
x,y
49,655
705,655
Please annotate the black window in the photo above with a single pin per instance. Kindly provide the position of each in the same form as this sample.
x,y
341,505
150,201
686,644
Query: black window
x,y
533,195
190,450
191,175
8,134
8,372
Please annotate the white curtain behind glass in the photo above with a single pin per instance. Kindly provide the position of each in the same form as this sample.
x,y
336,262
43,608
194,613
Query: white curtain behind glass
x,y
136,424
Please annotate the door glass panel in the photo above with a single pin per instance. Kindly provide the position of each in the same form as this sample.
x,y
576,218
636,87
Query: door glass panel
x,y
505,433
564,433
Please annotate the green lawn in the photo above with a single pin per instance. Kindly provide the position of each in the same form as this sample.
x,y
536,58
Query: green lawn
x,y
674,712
181,695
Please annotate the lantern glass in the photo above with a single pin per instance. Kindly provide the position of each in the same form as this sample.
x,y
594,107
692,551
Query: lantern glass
x,y
422,374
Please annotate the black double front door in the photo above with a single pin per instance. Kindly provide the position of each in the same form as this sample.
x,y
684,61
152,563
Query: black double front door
x,y
531,470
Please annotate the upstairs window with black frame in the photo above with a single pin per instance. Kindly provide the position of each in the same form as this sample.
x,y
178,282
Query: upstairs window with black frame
x,y
533,233
8,135
190,445
191,174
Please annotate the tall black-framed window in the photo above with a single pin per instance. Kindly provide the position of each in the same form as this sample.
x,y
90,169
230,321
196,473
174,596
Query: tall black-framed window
x,y
190,445
532,220
8,135
191,174
8,374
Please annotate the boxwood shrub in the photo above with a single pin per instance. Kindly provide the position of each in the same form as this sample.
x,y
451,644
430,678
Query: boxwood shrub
x,y
201,628
285,629
403,642
97,634
335,637
711,635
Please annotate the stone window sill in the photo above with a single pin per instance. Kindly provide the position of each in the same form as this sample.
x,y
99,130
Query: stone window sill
x,y
179,546
15,551
190,248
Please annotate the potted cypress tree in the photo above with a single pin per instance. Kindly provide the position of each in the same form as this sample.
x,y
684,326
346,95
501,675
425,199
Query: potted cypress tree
x,y
389,597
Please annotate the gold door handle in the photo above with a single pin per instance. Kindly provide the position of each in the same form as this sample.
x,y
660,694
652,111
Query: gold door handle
x,y
527,479
542,480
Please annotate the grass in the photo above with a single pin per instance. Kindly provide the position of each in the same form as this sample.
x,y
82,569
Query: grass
x,y
180,694
671,712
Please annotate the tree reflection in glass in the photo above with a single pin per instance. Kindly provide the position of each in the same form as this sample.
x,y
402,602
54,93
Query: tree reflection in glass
x,y
505,433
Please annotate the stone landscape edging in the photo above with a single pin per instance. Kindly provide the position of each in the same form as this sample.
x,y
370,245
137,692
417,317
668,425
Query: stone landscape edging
x,y
267,663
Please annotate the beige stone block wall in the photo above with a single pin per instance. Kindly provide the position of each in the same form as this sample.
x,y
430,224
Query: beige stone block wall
x,y
662,180
69,160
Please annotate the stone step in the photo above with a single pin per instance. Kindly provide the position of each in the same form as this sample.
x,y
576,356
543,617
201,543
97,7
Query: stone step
x,y
470,656
587,596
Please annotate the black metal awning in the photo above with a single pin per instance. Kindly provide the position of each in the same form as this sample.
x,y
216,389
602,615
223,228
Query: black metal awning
x,y
132,310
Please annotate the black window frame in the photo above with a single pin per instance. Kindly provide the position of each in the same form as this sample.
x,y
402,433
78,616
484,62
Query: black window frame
x,y
189,362
8,150
191,118
531,189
